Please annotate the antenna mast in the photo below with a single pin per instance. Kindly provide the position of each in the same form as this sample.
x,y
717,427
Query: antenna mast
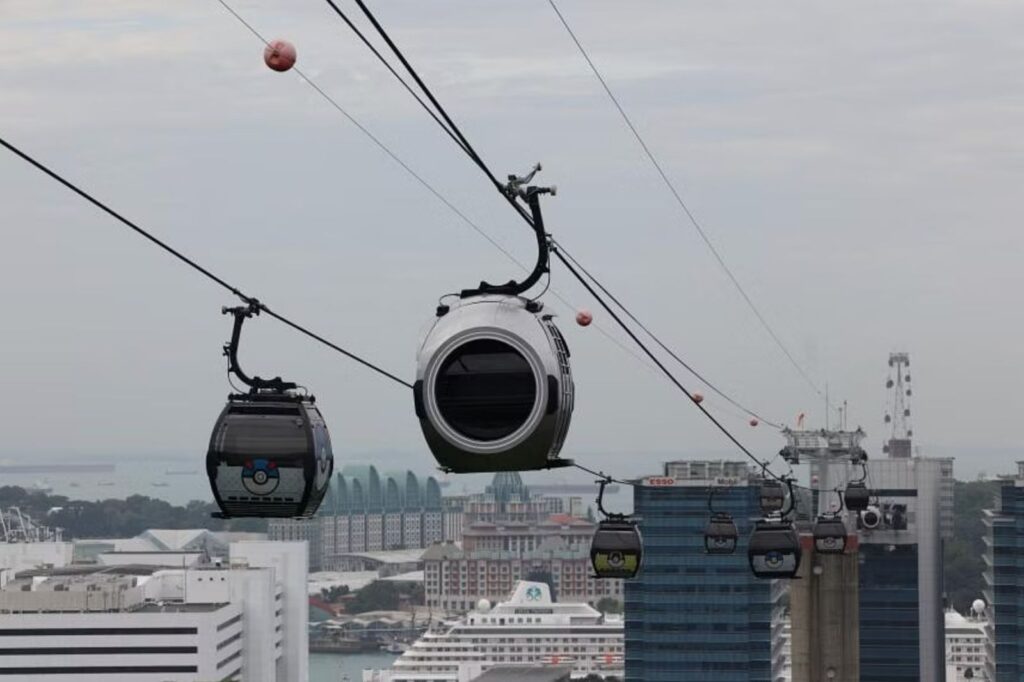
x,y
898,415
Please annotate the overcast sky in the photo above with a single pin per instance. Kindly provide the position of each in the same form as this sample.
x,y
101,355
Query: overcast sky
x,y
858,165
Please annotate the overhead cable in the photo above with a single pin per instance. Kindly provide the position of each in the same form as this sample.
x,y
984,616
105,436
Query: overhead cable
x,y
196,266
686,209
468,149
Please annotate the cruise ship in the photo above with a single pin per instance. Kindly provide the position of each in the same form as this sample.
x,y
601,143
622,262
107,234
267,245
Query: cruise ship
x,y
528,629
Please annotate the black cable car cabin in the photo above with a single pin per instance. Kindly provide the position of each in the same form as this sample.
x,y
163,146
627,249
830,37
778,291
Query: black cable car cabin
x,y
829,535
774,549
269,456
720,536
773,497
616,549
857,496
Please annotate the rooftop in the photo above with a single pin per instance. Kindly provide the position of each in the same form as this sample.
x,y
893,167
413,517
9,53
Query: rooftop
x,y
394,556
523,673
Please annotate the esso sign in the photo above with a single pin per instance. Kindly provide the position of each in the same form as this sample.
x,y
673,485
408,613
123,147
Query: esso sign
x,y
659,481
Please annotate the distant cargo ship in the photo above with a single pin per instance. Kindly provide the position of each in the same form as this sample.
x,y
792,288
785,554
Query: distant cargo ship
x,y
57,468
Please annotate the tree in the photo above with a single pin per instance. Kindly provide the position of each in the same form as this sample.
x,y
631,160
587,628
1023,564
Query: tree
x,y
334,593
377,596
609,605
118,518
963,558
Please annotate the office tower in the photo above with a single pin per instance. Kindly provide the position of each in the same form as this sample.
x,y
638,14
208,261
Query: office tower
x,y
690,616
902,626
902,635
1004,582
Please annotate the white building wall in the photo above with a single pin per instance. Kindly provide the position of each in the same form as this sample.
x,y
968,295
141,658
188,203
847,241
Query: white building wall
x,y
412,529
374,532
288,608
433,527
191,637
21,556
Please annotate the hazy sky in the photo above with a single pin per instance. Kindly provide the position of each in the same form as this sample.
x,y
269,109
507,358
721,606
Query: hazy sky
x,y
858,165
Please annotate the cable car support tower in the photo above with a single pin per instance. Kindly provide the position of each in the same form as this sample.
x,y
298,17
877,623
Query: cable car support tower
x,y
824,604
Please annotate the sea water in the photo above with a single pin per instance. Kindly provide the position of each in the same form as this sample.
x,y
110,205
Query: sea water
x,y
333,667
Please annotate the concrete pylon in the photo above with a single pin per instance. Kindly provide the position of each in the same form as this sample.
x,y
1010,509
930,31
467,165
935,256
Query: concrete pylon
x,y
825,615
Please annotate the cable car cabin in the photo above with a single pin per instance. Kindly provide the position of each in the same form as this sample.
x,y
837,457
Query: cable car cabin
x,y
774,549
493,390
773,497
270,456
857,496
616,549
720,537
829,535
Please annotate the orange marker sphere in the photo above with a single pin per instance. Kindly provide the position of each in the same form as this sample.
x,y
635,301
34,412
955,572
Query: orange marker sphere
x,y
584,318
698,397
279,55
754,422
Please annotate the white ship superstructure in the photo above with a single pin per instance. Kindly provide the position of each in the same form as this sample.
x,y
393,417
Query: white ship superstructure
x,y
528,629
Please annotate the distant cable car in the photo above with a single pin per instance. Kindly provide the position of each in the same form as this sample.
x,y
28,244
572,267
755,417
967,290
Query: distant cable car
x,y
270,453
494,389
888,419
857,496
774,549
829,534
870,518
889,383
773,497
720,536
616,550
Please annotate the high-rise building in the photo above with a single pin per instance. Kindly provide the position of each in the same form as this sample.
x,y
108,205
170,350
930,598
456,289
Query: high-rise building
x,y
902,636
1004,582
366,512
900,581
154,620
691,616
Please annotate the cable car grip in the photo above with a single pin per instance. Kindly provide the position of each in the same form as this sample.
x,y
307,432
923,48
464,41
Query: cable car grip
x,y
531,194
255,384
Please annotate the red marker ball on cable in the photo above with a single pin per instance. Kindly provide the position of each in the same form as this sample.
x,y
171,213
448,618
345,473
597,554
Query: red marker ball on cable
x,y
754,422
584,318
279,55
698,397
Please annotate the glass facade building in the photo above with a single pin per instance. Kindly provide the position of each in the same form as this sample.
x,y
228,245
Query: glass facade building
x,y
889,614
900,574
691,616
1004,583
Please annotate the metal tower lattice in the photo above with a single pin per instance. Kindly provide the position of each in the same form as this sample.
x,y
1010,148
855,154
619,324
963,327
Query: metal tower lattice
x,y
898,410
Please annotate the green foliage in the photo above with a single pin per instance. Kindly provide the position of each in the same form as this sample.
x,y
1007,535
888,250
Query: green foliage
x,y
377,596
334,593
114,518
964,555
609,605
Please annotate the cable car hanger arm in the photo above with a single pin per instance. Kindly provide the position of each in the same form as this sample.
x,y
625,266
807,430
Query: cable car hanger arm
x,y
256,384
531,194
